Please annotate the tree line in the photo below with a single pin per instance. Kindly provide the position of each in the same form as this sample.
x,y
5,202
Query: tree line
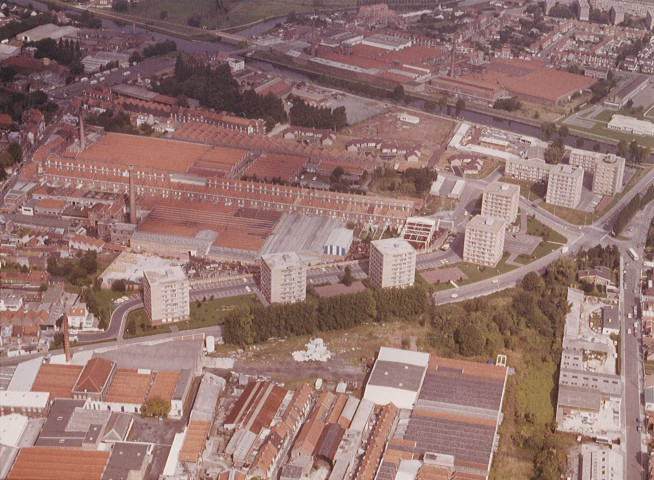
x,y
246,326
15,103
304,115
155,50
627,213
216,88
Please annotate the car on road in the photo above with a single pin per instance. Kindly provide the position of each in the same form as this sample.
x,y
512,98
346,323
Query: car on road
x,y
454,295
495,281
629,331
248,289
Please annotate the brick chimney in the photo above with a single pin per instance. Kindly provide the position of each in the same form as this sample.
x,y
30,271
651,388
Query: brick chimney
x,y
67,352
82,135
132,196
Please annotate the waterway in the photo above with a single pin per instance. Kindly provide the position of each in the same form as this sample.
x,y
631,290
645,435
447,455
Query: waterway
x,y
193,47
472,116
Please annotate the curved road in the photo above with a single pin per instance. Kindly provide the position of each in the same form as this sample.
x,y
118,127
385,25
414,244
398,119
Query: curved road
x,y
116,324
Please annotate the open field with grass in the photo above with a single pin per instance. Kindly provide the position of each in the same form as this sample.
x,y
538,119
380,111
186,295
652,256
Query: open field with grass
x,y
538,229
235,12
476,273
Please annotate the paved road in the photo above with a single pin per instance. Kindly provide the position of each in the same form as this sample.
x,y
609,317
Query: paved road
x,y
116,325
216,331
636,458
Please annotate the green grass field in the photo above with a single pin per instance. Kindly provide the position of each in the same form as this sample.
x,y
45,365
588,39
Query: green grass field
x,y
538,229
238,12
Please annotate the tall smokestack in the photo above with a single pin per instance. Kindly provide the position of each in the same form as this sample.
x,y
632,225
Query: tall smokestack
x,y
453,53
67,351
132,196
82,136
133,28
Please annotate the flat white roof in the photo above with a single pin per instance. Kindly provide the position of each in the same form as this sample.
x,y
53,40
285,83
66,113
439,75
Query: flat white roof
x,y
11,429
388,354
24,399
622,121
25,374
391,246
169,274
282,260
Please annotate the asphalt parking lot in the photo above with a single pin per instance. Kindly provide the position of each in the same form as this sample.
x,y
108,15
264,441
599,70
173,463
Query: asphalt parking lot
x,y
520,243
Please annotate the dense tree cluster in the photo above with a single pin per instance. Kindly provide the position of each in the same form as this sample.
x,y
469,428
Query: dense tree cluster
x,y
77,271
631,49
12,156
217,89
414,182
608,256
596,256
601,88
15,103
155,407
65,52
112,121
247,326
305,115
649,243
509,104
632,151
15,27
88,20
629,210
120,5
160,48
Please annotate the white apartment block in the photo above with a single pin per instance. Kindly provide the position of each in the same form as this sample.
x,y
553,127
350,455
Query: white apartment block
x,y
564,186
484,242
530,169
501,201
607,170
283,277
166,295
392,263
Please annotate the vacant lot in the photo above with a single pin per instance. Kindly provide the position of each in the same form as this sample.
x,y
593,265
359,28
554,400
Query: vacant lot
x,y
427,136
204,313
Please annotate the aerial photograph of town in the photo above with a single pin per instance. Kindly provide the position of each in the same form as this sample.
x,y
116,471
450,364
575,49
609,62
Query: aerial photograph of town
x,y
326,239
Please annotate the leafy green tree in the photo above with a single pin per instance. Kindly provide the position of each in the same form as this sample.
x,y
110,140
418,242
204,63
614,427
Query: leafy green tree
x,y
238,327
459,107
155,407
532,282
16,151
118,285
89,262
470,340
579,143
442,104
398,93
347,276
622,150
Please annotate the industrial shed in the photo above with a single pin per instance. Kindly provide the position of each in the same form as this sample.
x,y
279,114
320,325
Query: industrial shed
x,y
396,377
339,242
